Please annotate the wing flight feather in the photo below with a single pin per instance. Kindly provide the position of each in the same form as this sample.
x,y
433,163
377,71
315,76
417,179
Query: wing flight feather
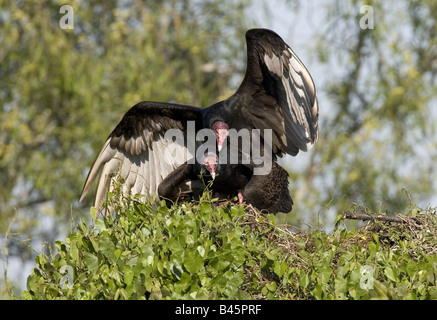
x,y
274,70
135,151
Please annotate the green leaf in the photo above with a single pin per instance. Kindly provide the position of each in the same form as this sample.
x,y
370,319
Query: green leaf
x,y
192,261
272,219
117,253
412,268
93,213
279,269
201,251
269,255
91,261
271,286
174,246
25,295
390,274
381,290
128,275
107,247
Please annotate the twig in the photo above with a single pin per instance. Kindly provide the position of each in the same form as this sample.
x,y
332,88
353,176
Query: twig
x,y
380,217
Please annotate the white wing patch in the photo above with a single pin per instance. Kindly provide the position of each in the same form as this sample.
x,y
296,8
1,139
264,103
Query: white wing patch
x,y
141,168
274,64
296,97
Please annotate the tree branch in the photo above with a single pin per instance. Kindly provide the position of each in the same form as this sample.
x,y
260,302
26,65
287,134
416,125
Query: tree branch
x,y
380,217
30,203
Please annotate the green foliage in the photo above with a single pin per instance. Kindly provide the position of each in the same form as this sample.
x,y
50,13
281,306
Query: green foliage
x,y
63,91
203,251
377,101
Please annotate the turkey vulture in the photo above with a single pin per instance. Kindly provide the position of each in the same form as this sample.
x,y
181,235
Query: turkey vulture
x,y
277,93
269,192
188,181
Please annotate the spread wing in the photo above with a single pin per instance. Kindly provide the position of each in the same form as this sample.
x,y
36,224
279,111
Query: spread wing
x,y
283,92
137,152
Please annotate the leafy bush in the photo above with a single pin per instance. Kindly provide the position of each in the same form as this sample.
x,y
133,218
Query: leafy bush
x,y
204,251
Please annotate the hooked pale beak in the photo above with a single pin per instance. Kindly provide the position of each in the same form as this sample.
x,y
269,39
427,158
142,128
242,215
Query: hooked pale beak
x,y
211,168
211,161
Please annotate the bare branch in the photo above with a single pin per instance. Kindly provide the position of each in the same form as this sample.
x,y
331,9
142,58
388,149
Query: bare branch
x,y
380,217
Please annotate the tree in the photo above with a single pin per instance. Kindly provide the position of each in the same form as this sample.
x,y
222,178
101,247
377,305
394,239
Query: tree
x,y
63,90
377,122
200,250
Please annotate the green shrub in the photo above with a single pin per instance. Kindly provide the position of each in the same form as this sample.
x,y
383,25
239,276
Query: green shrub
x,y
203,251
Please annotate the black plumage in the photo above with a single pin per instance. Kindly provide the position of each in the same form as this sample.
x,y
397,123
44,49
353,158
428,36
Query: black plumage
x,y
265,192
227,181
277,93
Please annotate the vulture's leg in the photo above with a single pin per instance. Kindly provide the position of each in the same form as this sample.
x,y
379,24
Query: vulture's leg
x,y
240,198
